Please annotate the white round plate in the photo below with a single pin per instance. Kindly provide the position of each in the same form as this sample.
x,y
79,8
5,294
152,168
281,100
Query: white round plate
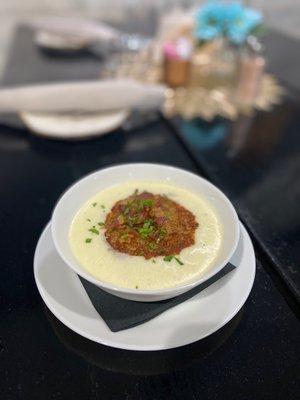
x,y
73,126
188,322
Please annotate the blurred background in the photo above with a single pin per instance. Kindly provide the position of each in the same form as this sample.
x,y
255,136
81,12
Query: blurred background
x,y
281,15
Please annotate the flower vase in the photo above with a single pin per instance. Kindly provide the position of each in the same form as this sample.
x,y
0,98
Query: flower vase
x,y
214,64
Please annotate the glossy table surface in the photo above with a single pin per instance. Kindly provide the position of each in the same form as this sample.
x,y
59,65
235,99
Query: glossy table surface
x,y
256,162
255,356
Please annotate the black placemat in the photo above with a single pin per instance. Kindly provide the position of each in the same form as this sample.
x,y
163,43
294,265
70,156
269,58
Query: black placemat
x,y
120,314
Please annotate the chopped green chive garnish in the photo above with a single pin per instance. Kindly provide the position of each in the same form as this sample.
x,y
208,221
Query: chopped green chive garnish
x,y
136,287
170,258
101,223
94,204
88,220
132,220
102,206
147,228
152,246
147,203
94,230
179,262
88,240
162,232
153,261
127,209
144,203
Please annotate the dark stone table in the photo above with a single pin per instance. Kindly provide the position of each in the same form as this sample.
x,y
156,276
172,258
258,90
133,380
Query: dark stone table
x,y
255,161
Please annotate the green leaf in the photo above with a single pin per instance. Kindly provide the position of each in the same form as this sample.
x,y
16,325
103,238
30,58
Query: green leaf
x,y
88,240
259,30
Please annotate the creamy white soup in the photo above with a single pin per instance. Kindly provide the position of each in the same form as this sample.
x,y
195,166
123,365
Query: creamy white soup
x,y
101,260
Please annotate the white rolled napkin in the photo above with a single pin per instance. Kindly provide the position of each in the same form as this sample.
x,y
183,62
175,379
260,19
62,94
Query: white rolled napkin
x,y
83,28
84,96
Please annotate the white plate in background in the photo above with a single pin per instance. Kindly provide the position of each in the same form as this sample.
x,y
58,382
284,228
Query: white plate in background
x,y
73,126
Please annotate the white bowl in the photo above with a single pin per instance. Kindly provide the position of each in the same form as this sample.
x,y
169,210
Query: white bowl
x,y
87,187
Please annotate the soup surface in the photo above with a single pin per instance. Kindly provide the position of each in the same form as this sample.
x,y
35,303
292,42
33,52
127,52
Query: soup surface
x,y
146,235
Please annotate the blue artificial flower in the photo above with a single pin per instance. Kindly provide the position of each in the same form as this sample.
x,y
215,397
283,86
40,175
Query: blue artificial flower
x,y
209,21
240,27
216,19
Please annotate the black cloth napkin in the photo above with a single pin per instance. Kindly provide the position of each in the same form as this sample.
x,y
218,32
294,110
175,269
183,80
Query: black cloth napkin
x,y
120,314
